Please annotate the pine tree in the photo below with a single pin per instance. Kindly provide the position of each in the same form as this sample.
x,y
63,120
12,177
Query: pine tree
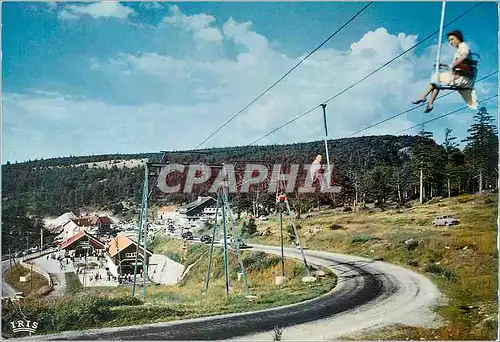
x,y
422,157
482,147
450,147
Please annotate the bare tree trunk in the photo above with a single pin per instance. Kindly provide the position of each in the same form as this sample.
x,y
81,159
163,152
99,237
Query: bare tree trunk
x,y
399,193
480,182
356,194
449,188
421,185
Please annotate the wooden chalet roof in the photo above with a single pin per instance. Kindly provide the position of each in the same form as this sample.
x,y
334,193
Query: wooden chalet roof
x,y
92,239
120,242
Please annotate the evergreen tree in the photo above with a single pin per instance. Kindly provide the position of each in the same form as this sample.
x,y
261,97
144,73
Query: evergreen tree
x,y
450,147
482,148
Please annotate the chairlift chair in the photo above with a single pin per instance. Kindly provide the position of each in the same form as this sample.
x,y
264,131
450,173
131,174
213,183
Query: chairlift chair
x,y
467,68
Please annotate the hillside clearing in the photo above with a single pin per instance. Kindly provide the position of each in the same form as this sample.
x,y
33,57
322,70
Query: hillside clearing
x,y
462,260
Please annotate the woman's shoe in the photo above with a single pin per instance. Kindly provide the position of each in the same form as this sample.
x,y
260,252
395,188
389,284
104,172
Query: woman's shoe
x,y
428,109
419,101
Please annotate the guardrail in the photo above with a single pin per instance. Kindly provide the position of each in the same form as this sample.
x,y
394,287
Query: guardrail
x,y
34,268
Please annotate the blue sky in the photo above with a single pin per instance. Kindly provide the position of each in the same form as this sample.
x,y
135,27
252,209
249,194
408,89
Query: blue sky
x,y
93,78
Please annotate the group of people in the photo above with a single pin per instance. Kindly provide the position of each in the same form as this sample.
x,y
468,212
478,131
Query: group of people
x,y
460,75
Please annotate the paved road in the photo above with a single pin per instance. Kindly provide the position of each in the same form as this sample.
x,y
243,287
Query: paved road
x,y
57,274
368,294
7,290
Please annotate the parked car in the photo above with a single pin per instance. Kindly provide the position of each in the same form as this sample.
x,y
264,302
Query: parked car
x,y
206,239
18,296
262,218
445,220
241,243
187,235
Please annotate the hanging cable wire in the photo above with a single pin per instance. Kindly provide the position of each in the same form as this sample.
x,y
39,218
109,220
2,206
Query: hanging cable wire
x,y
411,109
442,116
365,77
284,76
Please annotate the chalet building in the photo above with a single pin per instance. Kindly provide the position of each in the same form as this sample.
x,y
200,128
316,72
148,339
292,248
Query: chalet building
x,y
83,244
57,224
121,255
168,212
194,210
98,225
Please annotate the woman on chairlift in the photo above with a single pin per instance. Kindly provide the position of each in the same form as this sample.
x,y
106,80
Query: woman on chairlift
x,y
460,75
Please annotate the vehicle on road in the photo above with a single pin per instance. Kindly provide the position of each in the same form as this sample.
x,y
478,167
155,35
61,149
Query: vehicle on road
x,y
241,243
206,239
18,296
187,235
445,220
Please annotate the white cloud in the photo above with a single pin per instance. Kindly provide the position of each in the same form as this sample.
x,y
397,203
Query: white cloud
x,y
108,9
194,95
150,5
198,24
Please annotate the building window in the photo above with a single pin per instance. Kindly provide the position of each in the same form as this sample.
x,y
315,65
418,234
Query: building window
x,y
130,255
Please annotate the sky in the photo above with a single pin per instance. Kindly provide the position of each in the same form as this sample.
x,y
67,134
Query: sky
x,y
109,77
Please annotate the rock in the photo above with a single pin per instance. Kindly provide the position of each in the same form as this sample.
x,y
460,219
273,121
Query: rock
x,y
308,279
319,273
278,280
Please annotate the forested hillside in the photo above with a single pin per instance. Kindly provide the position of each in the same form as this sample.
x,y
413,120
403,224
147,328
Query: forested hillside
x,y
378,169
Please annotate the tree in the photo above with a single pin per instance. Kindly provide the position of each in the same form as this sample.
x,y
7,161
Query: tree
x,y
249,228
482,147
450,147
422,157
380,184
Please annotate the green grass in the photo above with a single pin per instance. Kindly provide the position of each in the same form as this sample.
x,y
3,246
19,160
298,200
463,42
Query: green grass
x,y
34,287
73,283
107,307
462,260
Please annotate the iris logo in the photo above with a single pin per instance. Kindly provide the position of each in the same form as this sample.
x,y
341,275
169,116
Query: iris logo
x,y
23,325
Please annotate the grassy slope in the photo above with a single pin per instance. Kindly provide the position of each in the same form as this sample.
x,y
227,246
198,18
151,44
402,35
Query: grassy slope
x,y
461,260
37,283
100,307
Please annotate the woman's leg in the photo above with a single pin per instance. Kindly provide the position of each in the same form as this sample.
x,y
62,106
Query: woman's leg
x,y
424,96
430,105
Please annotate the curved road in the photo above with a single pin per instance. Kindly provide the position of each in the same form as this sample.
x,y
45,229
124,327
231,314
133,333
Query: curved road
x,y
368,294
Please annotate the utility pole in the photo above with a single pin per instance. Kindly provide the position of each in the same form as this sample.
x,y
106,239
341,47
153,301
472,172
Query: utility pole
x,y
223,205
281,240
329,177
145,222
41,238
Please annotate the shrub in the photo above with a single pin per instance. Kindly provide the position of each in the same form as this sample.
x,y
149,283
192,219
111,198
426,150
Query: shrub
x,y
361,239
438,270
260,261
434,268
335,226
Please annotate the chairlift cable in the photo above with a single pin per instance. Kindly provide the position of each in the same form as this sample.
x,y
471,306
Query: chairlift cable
x,y
442,116
365,77
413,108
285,75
